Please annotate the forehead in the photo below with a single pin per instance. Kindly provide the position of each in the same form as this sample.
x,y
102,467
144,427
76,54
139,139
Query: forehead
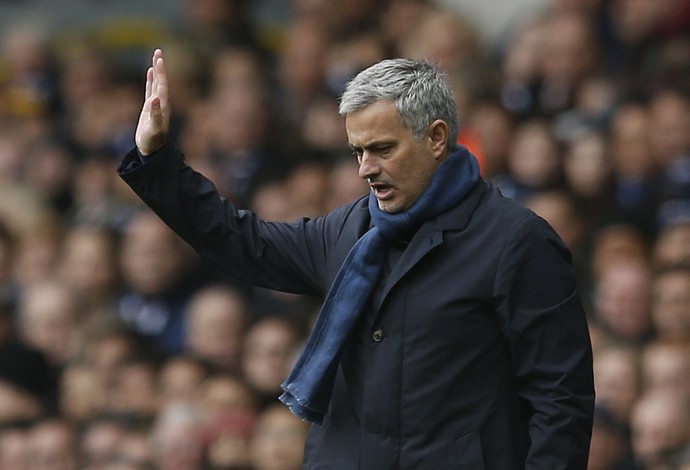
x,y
379,120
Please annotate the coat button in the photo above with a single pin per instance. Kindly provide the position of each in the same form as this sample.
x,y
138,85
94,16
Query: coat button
x,y
377,335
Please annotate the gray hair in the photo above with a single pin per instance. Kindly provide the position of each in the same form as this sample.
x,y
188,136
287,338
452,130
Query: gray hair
x,y
419,90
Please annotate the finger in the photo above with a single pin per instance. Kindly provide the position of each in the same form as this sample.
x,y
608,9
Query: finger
x,y
156,55
149,83
161,82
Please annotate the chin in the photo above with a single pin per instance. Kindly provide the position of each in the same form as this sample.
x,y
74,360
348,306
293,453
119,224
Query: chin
x,y
390,207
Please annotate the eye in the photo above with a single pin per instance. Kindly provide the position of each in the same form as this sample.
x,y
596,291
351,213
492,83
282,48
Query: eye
x,y
357,153
383,150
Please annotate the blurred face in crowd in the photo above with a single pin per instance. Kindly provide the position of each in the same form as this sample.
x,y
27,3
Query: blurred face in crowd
x,y
666,367
268,351
397,166
616,242
179,379
152,256
14,450
534,158
302,62
278,440
88,263
178,439
106,353
671,304
225,394
494,128
48,319
659,426
345,183
669,129
52,446
630,144
99,442
616,380
133,389
522,60
444,38
81,393
216,321
135,450
635,20
586,165
672,245
622,300
568,48
228,437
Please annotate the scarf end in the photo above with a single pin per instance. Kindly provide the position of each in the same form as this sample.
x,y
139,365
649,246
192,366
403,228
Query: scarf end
x,y
301,411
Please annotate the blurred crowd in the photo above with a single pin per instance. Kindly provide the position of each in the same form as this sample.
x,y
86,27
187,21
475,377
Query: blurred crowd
x,y
120,349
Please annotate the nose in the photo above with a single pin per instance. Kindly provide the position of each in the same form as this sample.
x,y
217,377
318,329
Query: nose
x,y
368,166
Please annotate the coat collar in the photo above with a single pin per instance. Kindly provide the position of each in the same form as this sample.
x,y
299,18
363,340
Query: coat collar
x,y
430,235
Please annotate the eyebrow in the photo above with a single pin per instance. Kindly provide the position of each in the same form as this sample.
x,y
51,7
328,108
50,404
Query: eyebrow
x,y
373,145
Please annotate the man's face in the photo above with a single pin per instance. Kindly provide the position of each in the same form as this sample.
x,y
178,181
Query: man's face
x,y
397,166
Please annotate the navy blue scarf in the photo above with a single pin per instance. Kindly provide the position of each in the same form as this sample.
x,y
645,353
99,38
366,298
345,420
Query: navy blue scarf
x,y
309,386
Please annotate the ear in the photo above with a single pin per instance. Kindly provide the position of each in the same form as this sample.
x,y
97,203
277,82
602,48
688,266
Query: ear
x,y
438,137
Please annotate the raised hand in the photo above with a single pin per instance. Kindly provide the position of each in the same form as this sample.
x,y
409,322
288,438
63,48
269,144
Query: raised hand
x,y
154,120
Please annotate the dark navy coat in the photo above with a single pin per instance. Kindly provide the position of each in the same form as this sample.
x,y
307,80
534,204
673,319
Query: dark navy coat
x,y
475,353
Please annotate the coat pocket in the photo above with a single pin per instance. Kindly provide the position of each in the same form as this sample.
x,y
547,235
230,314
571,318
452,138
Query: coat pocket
x,y
469,449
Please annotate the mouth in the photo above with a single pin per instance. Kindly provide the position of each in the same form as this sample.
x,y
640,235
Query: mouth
x,y
382,191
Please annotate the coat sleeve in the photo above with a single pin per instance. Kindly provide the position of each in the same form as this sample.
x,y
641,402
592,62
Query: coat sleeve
x,y
290,257
545,324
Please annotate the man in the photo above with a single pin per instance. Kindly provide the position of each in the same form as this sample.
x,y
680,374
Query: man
x,y
451,335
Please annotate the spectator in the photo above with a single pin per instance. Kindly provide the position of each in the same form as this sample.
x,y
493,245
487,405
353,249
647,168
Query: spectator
x,y
659,429
665,367
81,394
100,438
589,175
132,392
269,351
672,245
633,166
52,445
178,440
228,438
179,380
14,453
617,380
49,315
98,199
622,301
534,162
277,439
88,265
226,395
671,303
134,450
155,266
216,322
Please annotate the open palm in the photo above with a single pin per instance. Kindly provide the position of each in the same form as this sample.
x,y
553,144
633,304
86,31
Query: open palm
x,y
154,120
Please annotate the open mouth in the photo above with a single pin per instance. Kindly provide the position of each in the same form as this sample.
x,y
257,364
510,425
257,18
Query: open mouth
x,y
382,191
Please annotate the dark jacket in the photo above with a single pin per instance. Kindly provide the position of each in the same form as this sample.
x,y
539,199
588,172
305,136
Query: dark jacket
x,y
474,354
